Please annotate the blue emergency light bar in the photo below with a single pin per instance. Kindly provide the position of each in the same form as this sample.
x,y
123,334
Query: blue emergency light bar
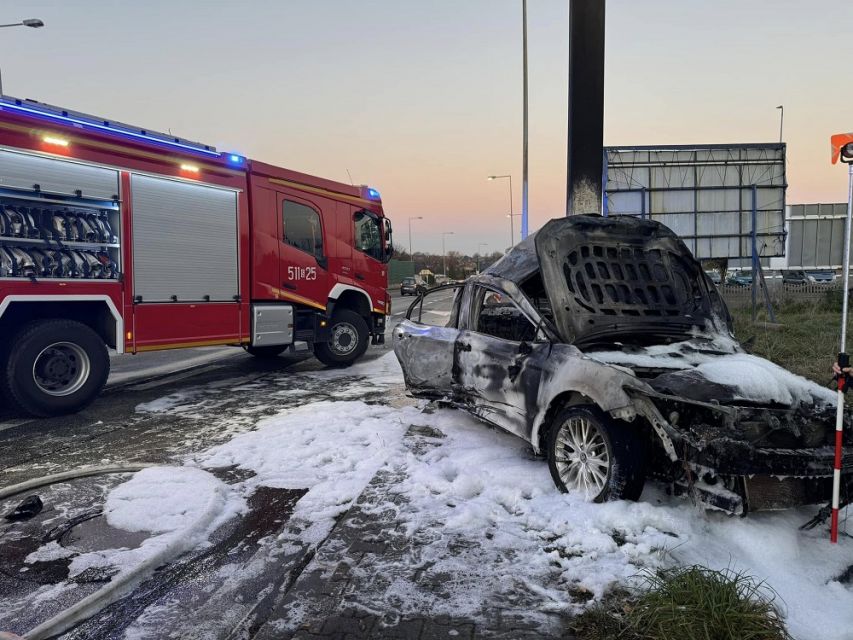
x,y
372,193
86,121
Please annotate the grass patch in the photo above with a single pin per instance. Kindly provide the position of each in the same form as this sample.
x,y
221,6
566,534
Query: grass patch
x,y
806,344
607,619
687,603
697,603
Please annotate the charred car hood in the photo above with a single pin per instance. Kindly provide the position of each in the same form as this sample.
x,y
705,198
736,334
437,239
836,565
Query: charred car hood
x,y
717,371
619,278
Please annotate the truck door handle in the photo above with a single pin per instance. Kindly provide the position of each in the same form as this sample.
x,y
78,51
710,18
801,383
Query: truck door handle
x,y
287,285
359,276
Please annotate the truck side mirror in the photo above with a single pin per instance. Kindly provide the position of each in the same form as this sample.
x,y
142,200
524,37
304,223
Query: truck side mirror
x,y
388,239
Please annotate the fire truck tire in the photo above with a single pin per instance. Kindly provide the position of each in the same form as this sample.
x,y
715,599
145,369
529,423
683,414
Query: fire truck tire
x,y
57,367
348,342
265,352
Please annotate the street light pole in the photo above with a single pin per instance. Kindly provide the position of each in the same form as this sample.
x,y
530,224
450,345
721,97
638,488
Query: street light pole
x,y
35,23
412,253
781,108
524,124
511,225
444,252
482,244
511,216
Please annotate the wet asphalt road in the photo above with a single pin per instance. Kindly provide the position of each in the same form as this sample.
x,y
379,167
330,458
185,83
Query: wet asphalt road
x,y
102,430
221,392
111,430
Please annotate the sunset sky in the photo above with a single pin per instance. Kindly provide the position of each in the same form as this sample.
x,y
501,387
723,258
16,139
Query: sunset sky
x,y
422,99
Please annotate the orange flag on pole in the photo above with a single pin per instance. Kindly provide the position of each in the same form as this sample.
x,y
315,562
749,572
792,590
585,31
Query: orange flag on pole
x,y
838,141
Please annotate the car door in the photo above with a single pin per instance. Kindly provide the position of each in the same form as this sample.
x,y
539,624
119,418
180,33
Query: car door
x,y
303,262
425,342
499,360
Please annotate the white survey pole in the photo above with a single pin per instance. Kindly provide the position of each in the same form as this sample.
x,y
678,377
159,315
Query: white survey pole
x,y
843,360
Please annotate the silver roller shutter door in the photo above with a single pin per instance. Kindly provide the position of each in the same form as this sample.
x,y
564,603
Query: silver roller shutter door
x,y
184,241
24,171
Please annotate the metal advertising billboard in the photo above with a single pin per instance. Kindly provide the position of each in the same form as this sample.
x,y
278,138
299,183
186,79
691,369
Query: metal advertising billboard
x,y
707,194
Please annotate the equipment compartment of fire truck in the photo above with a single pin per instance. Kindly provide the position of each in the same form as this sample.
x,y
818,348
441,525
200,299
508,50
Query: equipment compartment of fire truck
x,y
116,237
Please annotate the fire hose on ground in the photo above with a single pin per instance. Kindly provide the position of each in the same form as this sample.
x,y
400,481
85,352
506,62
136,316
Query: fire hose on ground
x,y
124,583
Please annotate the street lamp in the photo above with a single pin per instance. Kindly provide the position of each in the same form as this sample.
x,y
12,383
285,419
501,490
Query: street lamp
x,y
482,244
511,225
444,234
412,253
35,23
781,108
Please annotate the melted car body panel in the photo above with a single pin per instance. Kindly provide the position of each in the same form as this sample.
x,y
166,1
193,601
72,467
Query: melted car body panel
x,y
428,354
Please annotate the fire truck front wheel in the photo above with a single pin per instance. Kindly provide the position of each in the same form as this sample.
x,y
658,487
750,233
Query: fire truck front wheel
x,y
55,367
347,342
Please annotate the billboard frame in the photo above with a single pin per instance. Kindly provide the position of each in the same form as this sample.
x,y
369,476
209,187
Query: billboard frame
x,y
754,171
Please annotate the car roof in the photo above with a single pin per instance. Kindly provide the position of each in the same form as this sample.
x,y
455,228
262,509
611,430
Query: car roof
x,y
519,263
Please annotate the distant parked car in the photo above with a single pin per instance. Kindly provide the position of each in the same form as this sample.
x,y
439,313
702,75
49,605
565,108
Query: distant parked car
x,y
740,279
821,277
795,277
714,275
412,287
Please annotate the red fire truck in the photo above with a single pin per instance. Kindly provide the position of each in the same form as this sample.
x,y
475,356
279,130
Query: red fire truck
x,y
118,237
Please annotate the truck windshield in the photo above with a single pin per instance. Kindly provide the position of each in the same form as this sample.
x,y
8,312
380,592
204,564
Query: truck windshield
x,y
368,235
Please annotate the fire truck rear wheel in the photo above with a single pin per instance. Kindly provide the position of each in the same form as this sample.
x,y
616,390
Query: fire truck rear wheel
x,y
265,352
57,367
348,340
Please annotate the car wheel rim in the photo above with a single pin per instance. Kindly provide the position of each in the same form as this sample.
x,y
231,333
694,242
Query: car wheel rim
x,y
61,368
344,339
581,457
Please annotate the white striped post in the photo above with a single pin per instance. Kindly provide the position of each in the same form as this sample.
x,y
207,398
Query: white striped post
x,y
846,153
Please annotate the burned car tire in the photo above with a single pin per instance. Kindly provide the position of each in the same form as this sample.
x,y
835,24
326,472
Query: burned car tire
x,y
57,367
594,456
348,340
265,352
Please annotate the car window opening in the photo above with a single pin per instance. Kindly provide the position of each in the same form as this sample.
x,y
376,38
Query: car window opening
x,y
498,316
534,289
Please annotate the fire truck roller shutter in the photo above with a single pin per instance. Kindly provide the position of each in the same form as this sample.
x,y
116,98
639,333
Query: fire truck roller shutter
x,y
184,241
25,170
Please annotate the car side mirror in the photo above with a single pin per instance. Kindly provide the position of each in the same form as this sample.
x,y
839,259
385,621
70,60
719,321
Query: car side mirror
x,y
322,261
525,349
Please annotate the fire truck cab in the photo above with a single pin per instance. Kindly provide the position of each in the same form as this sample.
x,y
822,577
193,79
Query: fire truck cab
x,y
116,237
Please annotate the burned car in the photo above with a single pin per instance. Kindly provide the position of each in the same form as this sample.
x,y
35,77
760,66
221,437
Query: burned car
x,y
602,342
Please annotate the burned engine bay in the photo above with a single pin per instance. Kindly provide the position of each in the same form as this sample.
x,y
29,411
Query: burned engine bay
x,y
748,435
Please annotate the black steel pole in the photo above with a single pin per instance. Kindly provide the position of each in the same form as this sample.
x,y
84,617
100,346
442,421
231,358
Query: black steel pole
x,y
586,106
